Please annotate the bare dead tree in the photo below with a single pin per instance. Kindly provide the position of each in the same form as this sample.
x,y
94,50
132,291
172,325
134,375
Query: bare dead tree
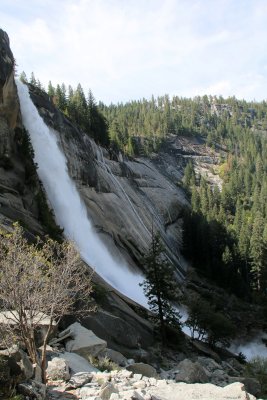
x,y
40,281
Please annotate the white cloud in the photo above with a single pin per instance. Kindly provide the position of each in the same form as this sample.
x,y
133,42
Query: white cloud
x,y
125,50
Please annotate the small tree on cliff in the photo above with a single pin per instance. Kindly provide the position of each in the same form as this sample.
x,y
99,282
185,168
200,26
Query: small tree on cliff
x,y
40,281
160,286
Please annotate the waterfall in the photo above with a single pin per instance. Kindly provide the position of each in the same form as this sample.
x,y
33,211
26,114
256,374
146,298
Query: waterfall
x,y
69,209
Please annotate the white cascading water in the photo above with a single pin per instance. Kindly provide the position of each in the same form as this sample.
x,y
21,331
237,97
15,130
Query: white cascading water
x,y
69,209
254,348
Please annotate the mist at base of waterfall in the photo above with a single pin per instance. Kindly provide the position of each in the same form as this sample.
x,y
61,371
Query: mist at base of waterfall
x,y
251,349
69,209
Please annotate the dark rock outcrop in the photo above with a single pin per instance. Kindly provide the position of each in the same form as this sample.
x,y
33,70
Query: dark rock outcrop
x,y
17,195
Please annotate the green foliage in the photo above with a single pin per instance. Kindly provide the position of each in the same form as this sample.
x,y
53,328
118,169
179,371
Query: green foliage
x,y
27,155
189,175
99,293
83,112
212,252
220,120
208,324
258,253
23,77
46,216
257,368
233,221
103,363
241,358
160,287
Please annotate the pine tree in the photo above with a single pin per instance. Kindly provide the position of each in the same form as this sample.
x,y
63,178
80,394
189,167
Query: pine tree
x,y
33,80
23,77
50,89
258,252
160,286
189,173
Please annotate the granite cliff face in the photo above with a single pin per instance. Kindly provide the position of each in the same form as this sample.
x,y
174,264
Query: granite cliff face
x,y
124,198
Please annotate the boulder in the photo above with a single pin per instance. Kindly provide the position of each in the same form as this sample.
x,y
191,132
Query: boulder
x,y
205,349
37,373
4,370
143,369
235,365
114,356
107,390
58,369
79,379
18,361
252,385
32,390
123,331
209,364
77,363
219,378
81,341
190,372
25,365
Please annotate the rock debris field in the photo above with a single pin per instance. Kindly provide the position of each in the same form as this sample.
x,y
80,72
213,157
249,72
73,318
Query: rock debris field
x,y
126,385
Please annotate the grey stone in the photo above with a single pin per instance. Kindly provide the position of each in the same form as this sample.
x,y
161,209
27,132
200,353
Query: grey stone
x,y
26,365
190,372
140,395
77,363
4,370
79,379
139,385
209,364
82,341
219,378
207,391
33,389
114,396
114,356
58,369
19,362
107,390
144,369
137,377
86,391
37,373
252,385
124,373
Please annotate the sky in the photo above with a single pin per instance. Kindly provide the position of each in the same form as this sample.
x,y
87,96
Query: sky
x,y
130,49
